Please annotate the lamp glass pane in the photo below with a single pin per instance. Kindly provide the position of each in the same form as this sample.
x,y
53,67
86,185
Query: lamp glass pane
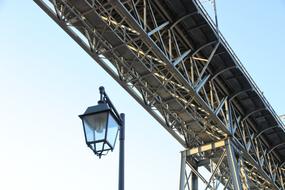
x,y
95,126
99,147
113,128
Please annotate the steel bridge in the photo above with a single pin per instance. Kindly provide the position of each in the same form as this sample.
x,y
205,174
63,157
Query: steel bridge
x,y
171,58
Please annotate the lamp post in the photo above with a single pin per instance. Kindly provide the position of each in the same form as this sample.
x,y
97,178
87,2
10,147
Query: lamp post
x,y
102,124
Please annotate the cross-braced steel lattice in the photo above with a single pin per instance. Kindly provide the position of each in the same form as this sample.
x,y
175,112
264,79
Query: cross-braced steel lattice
x,y
172,59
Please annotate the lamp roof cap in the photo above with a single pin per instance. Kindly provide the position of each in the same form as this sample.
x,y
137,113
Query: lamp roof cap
x,y
101,107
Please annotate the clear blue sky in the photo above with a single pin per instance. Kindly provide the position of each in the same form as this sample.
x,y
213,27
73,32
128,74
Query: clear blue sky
x,y
46,80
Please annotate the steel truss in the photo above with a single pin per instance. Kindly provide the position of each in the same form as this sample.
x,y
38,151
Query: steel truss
x,y
145,51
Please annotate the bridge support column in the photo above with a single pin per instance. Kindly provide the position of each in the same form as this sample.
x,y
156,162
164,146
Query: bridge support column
x,y
233,165
182,171
194,180
190,181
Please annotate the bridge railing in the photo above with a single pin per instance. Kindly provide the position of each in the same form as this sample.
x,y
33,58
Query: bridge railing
x,y
238,62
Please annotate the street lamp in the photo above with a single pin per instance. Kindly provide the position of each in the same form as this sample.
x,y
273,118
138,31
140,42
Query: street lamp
x,y
101,125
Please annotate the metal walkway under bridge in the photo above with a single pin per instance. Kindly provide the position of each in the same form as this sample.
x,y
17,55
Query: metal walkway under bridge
x,y
170,57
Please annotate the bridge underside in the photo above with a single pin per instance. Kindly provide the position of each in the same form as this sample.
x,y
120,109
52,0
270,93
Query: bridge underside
x,y
170,57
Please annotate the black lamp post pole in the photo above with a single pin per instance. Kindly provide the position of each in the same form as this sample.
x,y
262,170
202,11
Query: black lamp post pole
x,y
104,97
122,153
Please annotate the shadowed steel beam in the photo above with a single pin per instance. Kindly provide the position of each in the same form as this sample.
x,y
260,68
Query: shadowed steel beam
x,y
196,173
209,60
254,163
194,177
240,92
244,175
264,130
216,169
253,112
203,46
182,18
223,70
194,182
221,105
276,146
198,27
227,184
232,162
187,179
